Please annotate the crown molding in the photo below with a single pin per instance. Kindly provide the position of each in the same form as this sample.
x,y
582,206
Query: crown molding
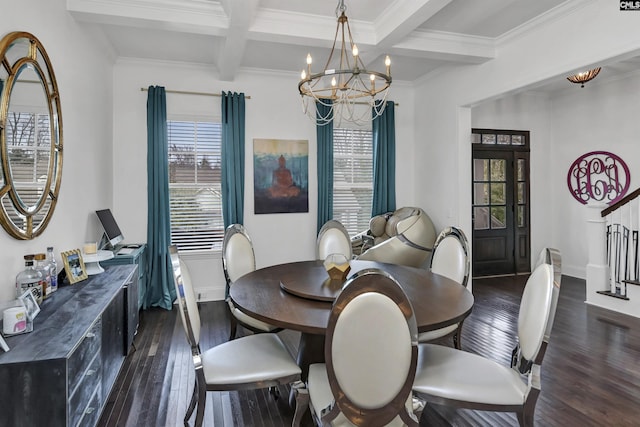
x,y
544,19
195,16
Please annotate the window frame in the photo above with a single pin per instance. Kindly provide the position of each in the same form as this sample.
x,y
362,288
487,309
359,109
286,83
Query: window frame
x,y
362,214
189,246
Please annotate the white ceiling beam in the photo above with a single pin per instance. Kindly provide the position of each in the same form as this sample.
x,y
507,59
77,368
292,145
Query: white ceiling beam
x,y
447,46
241,15
318,31
402,17
195,17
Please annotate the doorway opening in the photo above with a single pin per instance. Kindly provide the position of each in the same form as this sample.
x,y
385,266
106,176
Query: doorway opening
x,y
501,233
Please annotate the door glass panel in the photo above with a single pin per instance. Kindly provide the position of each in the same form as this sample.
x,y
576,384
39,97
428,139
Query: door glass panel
x,y
488,138
498,168
481,170
498,193
504,139
521,171
520,216
521,192
498,216
517,140
480,194
481,218
475,138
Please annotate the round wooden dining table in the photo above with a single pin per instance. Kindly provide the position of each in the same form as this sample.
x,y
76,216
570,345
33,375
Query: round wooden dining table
x,y
298,296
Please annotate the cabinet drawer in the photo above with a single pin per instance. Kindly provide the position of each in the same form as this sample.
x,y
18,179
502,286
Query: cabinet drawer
x,y
88,394
89,415
84,354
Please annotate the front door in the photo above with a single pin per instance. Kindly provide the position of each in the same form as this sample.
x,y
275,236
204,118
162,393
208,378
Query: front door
x,y
500,216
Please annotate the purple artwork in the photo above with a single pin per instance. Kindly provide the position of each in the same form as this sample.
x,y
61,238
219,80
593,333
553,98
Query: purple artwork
x,y
598,176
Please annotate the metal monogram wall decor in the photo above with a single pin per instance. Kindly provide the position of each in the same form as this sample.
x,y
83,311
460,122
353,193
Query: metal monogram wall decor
x,y
598,176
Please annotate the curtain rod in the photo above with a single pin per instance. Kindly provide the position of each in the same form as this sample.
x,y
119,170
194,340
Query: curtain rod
x,y
185,92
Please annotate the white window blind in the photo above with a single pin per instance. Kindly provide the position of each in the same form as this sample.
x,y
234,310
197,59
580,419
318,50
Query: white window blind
x,y
352,178
195,193
28,144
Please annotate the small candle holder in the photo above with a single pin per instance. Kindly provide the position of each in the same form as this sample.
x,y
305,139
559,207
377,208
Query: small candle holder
x,y
337,266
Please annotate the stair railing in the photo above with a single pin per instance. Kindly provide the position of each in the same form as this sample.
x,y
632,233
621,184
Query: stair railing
x,y
623,259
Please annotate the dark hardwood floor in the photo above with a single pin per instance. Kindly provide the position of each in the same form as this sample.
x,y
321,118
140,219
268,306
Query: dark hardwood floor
x,y
590,375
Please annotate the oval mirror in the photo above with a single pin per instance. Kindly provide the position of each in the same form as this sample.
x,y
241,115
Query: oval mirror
x,y
30,136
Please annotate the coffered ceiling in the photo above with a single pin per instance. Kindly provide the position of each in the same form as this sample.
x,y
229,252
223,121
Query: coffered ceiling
x,y
229,35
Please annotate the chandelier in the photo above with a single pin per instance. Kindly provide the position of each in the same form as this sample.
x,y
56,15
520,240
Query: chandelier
x,y
344,83
584,77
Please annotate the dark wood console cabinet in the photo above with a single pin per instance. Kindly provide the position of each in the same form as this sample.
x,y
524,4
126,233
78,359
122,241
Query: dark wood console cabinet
x,y
61,374
138,257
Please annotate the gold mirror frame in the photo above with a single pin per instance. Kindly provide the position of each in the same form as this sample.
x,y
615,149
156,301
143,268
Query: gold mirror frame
x,y
27,200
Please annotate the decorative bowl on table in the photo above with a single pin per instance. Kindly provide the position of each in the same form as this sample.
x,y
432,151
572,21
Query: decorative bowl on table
x,y
337,266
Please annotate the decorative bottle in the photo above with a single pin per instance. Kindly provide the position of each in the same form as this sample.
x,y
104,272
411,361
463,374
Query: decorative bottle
x,y
43,267
53,268
29,278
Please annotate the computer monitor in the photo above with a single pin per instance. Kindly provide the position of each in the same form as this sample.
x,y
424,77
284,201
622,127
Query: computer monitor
x,y
112,234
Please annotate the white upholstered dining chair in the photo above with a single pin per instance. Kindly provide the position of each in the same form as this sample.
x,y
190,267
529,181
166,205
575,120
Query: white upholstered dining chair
x,y
238,259
457,378
255,361
333,238
450,258
370,358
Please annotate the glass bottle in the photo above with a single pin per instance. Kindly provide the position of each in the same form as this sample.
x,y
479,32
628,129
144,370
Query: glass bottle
x,y
29,278
42,266
53,268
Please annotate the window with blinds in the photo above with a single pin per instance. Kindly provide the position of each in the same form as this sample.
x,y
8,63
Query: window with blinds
x,y
28,145
352,178
195,193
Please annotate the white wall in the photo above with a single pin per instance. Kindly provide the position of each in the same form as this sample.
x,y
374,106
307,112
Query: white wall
x,y
443,114
274,111
564,126
599,117
527,112
83,69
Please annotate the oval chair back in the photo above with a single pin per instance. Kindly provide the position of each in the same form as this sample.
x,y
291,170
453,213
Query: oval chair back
x,y
535,308
186,298
553,258
450,256
238,256
333,238
371,350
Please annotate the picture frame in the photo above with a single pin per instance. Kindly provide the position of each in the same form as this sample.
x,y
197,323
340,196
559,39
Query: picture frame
x,y
74,266
28,300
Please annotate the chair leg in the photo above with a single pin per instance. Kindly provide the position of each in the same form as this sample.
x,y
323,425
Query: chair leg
x,y
234,328
418,406
525,416
273,391
202,399
302,402
192,404
457,336
525,420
